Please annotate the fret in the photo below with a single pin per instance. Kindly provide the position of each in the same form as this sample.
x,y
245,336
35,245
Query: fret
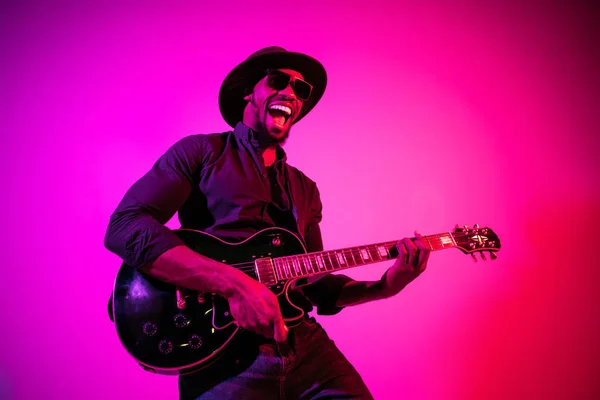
x,y
306,263
320,262
373,254
349,258
285,274
447,241
434,242
335,260
343,257
354,262
380,250
439,242
316,262
341,260
286,268
296,264
383,251
331,262
326,260
277,271
359,255
428,242
364,255
302,264
309,264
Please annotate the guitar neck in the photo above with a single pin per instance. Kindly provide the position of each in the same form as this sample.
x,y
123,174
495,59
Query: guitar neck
x,y
309,264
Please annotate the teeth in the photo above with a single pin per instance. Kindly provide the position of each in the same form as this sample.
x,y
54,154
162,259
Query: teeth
x,y
286,110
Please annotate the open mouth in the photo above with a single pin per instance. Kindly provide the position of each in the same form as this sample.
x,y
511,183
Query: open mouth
x,y
280,114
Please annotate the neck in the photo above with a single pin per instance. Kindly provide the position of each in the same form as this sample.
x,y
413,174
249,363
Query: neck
x,y
309,264
266,144
269,155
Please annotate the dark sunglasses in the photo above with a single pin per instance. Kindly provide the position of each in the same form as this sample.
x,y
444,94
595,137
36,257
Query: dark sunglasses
x,y
278,80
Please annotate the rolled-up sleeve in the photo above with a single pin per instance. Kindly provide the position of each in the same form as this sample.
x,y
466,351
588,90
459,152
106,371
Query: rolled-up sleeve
x,y
136,230
323,291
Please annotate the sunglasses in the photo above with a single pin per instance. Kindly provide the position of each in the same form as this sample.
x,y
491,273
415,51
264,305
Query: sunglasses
x,y
278,80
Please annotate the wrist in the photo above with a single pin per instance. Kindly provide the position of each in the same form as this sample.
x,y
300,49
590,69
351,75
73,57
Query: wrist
x,y
383,286
234,281
393,283
385,290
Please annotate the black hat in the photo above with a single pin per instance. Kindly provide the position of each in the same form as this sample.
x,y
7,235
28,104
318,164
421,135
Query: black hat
x,y
249,72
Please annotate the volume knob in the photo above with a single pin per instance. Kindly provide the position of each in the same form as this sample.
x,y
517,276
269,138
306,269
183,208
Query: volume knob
x,y
165,347
180,320
195,342
150,328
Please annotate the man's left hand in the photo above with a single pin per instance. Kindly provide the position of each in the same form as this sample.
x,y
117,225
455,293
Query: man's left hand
x,y
411,262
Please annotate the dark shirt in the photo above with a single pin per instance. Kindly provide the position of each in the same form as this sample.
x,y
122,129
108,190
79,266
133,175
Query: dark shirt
x,y
218,184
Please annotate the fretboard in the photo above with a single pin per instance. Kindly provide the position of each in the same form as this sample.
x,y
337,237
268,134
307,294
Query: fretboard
x,y
305,265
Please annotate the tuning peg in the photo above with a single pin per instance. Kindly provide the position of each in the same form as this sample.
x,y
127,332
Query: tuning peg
x,y
474,258
483,255
466,229
476,226
493,255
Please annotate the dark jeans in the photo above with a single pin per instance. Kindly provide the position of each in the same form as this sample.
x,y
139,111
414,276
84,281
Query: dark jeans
x,y
308,366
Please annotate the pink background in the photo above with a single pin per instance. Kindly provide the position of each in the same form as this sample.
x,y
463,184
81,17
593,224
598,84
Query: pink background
x,y
436,113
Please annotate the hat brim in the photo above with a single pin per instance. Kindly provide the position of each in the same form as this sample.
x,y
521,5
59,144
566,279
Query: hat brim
x,y
250,71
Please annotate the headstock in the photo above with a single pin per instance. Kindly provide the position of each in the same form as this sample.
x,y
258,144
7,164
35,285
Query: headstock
x,y
476,240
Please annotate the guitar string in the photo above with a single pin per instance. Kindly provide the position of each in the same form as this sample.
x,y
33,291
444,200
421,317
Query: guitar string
x,y
350,250
357,250
312,258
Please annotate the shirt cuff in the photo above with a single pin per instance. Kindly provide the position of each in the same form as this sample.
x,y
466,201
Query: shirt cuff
x,y
325,292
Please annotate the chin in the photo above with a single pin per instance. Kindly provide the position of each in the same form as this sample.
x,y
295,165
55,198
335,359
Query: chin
x,y
279,136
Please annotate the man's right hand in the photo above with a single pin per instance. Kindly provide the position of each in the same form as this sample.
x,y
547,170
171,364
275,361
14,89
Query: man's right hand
x,y
252,304
256,308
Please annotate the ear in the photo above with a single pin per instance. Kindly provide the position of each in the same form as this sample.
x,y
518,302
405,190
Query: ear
x,y
248,94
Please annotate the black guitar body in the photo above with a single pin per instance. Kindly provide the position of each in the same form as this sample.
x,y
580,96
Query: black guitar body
x,y
174,332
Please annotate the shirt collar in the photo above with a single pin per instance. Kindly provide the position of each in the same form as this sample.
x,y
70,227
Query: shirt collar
x,y
245,134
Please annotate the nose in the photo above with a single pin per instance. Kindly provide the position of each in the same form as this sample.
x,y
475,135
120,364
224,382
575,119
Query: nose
x,y
288,92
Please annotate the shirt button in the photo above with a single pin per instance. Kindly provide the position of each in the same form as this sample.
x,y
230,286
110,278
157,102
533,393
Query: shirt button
x,y
264,174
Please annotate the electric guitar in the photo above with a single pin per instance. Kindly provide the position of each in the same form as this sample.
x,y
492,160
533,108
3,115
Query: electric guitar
x,y
171,331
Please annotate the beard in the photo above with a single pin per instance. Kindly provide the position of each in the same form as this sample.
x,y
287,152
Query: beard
x,y
267,138
270,137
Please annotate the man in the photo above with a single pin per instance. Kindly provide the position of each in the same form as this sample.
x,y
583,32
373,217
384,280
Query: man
x,y
232,185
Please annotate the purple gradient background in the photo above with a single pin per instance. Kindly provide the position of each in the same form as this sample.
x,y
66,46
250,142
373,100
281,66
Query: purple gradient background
x,y
436,113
